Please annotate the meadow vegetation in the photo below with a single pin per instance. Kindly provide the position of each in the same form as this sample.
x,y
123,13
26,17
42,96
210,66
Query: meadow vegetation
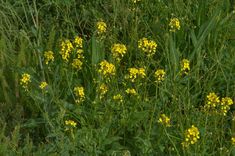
x,y
117,77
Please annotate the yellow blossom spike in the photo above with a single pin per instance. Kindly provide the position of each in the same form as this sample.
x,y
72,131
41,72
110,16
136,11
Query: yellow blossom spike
x,y
79,93
174,24
25,80
147,46
49,56
107,69
118,51
185,66
164,120
43,85
159,75
101,27
191,136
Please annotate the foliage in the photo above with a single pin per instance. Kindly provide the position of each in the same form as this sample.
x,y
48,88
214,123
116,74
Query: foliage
x,y
118,77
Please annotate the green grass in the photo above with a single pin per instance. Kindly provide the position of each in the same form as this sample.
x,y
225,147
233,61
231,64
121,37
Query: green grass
x,y
33,121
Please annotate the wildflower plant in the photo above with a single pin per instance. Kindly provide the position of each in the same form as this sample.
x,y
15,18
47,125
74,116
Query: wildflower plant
x,y
78,59
147,46
131,91
43,85
191,136
159,75
101,27
233,141
70,123
102,90
118,51
135,73
49,56
225,104
25,80
106,69
79,93
174,24
185,67
66,49
164,120
118,98
212,100
78,42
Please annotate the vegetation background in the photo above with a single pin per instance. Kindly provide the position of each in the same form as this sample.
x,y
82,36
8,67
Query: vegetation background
x,y
33,122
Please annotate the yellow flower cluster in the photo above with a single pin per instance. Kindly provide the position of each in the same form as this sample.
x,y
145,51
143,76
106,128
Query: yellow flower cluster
x,y
185,66
77,62
212,100
225,105
79,93
103,89
164,120
101,27
118,51
118,98
134,72
70,123
78,42
25,80
107,69
147,46
191,136
131,91
43,85
233,140
49,56
174,24
159,75
66,49
214,104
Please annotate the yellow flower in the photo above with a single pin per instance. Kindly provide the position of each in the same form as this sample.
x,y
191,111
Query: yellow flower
x,y
70,123
66,49
174,24
103,89
101,27
43,85
118,51
25,80
79,93
77,64
131,91
49,56
212,101
107,69
233,140
160,75
78,42
191,136
147,46
185,66
164,120
118,97
141,72
225,105
134,72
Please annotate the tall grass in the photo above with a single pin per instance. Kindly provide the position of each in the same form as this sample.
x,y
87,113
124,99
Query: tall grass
x,y
33,121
